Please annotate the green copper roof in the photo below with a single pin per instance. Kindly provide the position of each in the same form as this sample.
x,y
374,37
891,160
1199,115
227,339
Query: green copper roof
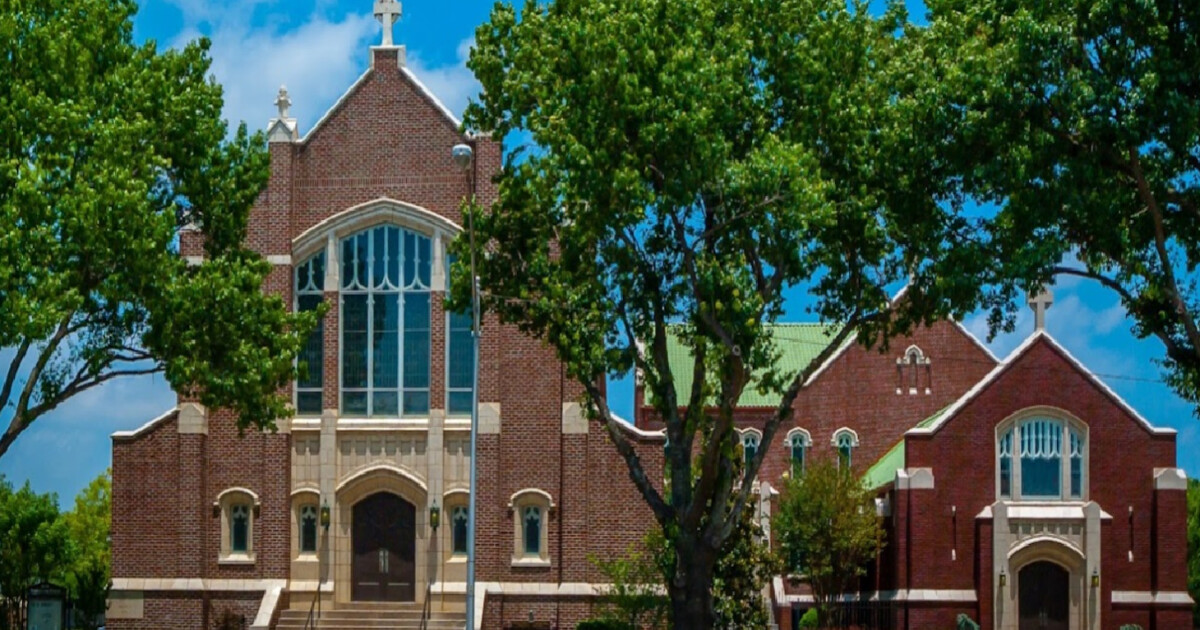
x,y
799,345
883,472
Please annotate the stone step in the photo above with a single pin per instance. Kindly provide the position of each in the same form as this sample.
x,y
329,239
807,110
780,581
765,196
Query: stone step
x,y
392,616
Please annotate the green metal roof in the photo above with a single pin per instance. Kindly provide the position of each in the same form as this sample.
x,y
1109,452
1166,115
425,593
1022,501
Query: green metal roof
x,y
798,344
883,472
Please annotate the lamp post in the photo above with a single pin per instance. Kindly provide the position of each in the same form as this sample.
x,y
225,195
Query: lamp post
x,y
464,158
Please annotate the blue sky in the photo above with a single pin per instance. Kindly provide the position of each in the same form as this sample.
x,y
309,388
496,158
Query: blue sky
x,y
318,48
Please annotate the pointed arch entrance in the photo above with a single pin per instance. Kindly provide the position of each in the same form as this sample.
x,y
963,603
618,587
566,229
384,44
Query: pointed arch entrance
x,y
384,549
1044,600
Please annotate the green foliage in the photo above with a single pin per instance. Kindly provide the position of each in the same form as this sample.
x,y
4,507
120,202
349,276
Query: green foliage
x,y
966,623
809,618
605,624
635,599
108,149
828,530
1080,121
693,160
89,525
35,546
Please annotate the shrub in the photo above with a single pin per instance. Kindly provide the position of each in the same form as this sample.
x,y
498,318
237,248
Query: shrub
x,y
809,618
604,624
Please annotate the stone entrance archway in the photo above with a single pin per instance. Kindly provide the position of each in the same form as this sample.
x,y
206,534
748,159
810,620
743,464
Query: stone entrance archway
x,y
1044,602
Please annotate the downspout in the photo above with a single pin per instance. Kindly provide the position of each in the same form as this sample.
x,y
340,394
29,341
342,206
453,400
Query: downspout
x,y
562,392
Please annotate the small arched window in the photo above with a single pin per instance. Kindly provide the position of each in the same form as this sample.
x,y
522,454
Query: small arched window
x,y
530,511
797,443
308,528
1041,458
751,439
237,509
458,521
845,441
532,530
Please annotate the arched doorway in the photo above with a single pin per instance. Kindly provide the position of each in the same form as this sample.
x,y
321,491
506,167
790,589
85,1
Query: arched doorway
x,y
1044,599
383,567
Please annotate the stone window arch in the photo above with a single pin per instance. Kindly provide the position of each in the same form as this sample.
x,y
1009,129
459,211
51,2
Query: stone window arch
x,y
914,372
751,441
237,509
845,440
798,442
1042,455
531,509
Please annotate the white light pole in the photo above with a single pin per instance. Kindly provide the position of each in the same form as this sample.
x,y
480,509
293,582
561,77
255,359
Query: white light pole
x,y
464,158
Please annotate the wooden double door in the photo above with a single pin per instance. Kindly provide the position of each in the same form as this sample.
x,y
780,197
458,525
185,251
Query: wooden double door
x,y
1045,593
385,541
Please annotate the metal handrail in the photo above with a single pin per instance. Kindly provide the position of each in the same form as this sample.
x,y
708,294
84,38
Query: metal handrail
x,y
425,612
316,603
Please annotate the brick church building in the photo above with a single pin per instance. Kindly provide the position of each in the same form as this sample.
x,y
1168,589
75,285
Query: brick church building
x,y
1021,492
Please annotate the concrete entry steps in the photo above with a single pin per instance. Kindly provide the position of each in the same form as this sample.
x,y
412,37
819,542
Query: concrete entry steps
x,y
363,616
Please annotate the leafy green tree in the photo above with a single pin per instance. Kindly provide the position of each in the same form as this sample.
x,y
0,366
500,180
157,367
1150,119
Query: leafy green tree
x,y
89,525
635,599
692,161
745,567
828,531
107,150
35,545
1080,121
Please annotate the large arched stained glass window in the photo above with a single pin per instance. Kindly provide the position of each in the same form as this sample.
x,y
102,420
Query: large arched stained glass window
x,y
385,322
1048,454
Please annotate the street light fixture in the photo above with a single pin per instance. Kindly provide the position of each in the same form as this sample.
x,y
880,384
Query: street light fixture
x,y
464,158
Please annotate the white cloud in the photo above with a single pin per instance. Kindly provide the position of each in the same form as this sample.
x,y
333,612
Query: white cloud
x,y
454,85
317,61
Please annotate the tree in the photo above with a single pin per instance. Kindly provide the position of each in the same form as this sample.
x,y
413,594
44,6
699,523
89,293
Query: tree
x,y
635,599
107,151
690,161
746,565
828,531
35,545
1080,121
89,525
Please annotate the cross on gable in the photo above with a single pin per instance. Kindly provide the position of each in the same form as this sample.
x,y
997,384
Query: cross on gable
x,y
1040,302
387,12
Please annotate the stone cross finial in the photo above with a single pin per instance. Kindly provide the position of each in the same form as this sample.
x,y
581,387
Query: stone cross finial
x,y
1040,302
283,102
388,13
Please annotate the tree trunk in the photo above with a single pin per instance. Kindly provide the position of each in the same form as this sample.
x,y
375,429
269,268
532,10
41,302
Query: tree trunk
x,y
691,591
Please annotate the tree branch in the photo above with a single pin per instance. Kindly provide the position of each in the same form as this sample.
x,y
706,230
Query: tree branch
x,y
1160,246
10,379
662,512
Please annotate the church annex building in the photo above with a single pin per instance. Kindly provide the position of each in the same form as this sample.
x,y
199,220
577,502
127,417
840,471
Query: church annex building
x,y
1020,491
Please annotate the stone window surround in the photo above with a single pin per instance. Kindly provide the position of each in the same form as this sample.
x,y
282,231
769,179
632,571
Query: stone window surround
x,y
328,234
302,497
750,436
451,499
1069,422
525,498
844,437
805,442
222,509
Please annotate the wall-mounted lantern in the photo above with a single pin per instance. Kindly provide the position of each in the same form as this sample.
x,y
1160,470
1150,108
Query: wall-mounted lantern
x,y
1003,578
435,516
1095,577
325,516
